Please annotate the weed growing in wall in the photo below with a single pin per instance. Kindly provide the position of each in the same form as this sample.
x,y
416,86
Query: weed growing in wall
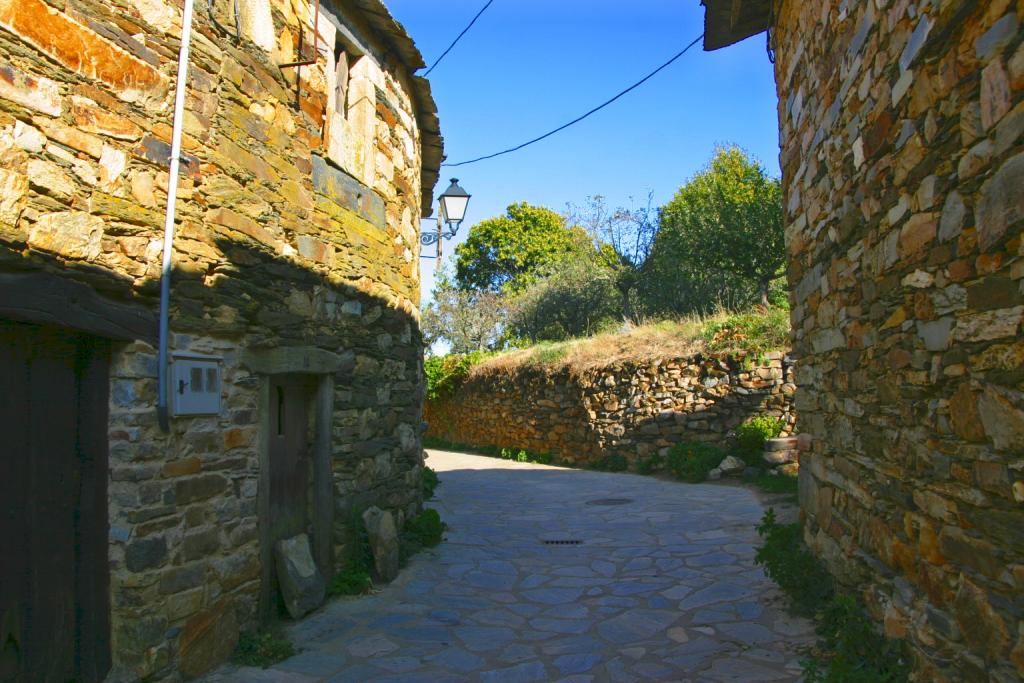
x,y
430,483
852,650
354,579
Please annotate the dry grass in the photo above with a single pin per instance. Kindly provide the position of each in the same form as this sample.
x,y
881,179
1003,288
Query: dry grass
x,y
722,332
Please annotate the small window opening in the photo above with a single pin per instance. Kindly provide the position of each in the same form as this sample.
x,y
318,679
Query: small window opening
x,y
341,69
196,379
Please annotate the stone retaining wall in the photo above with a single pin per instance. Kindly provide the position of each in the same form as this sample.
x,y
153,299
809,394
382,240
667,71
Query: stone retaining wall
x,y
631,409
903,168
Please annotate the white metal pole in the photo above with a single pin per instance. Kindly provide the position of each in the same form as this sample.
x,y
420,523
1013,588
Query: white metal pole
x,y
172,196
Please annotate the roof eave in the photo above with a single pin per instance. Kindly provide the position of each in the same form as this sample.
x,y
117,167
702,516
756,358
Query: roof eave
x,y
727,22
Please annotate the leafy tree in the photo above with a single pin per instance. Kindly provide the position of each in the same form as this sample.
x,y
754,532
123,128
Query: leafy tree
x,y
506,252
575,297
623,239
466,320
728,217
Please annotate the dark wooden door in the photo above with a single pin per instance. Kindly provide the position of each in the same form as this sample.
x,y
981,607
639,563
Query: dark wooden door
x,y
54,577
290,456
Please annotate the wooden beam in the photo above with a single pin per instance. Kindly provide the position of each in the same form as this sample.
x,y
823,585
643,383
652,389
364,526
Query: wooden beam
x,y
730,21
52,299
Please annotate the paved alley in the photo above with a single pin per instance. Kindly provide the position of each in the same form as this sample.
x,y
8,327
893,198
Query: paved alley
x,y
550,574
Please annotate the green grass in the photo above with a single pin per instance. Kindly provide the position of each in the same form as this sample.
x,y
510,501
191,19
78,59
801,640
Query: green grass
x,y
753,332
776,483
262,648
350,581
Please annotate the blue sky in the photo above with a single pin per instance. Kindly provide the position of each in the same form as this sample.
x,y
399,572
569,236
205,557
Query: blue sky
x,y
528,66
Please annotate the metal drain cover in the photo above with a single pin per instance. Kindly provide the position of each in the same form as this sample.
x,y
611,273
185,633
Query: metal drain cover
x,y
563,541
610,501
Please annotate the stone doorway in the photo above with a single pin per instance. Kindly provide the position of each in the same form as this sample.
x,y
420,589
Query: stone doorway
x,y
295,476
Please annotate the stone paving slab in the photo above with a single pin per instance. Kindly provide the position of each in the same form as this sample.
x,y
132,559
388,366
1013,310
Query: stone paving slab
x,y
660,588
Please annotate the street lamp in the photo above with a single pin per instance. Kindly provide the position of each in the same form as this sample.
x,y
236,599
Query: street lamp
x,y
452,211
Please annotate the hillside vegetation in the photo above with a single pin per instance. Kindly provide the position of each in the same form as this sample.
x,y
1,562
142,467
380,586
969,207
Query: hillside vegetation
x,y
753,332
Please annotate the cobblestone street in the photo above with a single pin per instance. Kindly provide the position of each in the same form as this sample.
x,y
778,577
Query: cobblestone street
x,y
551,574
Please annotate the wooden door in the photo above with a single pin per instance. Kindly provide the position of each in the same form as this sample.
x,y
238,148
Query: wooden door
x,y
290,456
54,578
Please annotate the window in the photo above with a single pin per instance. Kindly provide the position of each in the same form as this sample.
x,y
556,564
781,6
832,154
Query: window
x,y
341,65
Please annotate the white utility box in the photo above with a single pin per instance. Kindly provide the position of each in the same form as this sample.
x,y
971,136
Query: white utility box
x,y
195,384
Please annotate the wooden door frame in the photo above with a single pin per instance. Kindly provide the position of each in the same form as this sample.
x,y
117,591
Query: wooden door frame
x,y
321,365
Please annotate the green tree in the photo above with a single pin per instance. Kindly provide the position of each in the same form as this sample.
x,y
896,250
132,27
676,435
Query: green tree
x,y
728,218
505,253
574,297
467,320
623,239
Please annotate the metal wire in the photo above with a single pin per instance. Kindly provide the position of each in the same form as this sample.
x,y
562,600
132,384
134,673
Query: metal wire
x,y
589,113
458,38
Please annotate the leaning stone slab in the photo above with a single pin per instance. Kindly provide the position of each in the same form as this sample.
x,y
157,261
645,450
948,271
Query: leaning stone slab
x,y
383,535
302,585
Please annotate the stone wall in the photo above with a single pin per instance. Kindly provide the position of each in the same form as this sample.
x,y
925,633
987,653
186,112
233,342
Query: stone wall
x,y
633,409
297,238
904,188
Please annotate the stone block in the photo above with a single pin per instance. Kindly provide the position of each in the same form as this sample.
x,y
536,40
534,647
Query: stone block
x,y
199,488
208,639
40,94
348,192
145,553
384,544
81,49
302,585
1001,204
70,234
13,195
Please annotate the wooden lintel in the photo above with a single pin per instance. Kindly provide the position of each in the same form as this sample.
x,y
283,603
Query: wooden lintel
x,y
51,299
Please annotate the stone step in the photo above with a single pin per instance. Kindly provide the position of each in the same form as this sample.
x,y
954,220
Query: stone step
x,y
781,457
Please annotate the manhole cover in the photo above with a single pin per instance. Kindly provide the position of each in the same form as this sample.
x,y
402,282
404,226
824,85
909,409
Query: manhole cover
x,y
610,501
563,541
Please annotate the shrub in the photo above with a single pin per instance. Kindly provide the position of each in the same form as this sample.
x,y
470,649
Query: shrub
x,y
856,651
612,463
426,528
788,563
445,374
650,464
751,436
692,460
429,483
262,648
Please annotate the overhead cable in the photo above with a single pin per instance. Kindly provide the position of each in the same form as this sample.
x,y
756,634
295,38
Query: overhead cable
x,y
589,113
458,38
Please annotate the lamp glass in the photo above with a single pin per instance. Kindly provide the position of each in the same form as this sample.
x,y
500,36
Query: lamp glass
x,y
453,209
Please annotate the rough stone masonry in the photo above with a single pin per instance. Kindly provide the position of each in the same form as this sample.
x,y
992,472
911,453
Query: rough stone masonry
x,y
904,187
297,252
634,409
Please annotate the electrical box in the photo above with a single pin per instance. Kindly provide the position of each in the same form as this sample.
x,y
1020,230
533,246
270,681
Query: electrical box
x,y
195,384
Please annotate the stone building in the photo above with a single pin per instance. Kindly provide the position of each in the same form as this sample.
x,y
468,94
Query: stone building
x,y
295,374
903,171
